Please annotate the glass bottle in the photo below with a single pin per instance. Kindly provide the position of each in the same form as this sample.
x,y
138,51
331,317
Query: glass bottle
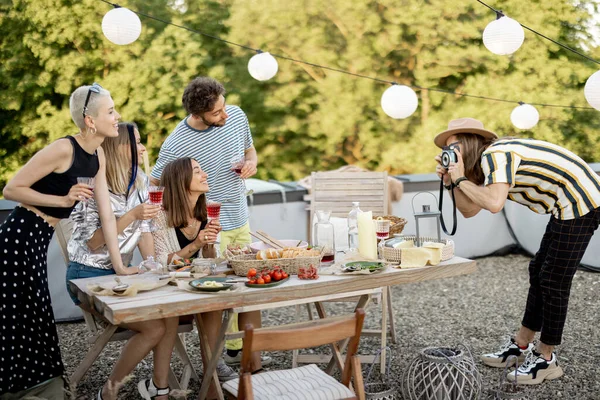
x,y
324,236
353,227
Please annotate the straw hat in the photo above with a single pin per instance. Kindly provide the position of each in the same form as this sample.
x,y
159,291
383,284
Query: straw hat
x,y
463,125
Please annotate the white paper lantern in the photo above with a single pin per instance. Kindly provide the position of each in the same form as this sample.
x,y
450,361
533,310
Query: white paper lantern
x,y
524,116
262,66
592,90
121,26
503,36
399,101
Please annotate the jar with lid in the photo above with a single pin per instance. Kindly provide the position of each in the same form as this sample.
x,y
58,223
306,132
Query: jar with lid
x,y
324,236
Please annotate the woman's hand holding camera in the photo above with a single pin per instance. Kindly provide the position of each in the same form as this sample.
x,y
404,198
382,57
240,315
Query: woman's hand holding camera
x,y
442,172
456,169
209,234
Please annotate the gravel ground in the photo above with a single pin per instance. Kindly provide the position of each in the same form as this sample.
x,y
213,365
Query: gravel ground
x,y
479,310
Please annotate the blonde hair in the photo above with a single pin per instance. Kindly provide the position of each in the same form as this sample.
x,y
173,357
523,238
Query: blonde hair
x,y
77,100
119,153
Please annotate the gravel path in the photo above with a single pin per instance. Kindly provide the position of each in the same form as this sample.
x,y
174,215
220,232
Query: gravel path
x,y
479,310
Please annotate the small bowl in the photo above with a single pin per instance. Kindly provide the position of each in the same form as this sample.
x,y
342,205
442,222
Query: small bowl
x,y
258,246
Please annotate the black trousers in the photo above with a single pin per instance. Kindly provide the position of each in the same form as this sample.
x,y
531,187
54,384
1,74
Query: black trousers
x,y
551,273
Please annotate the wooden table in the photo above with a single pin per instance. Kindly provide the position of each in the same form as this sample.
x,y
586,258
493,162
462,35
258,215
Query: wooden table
x,y
170,301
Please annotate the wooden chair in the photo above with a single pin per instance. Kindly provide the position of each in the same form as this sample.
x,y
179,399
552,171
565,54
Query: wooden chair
x,y
308,382
335,191
101,333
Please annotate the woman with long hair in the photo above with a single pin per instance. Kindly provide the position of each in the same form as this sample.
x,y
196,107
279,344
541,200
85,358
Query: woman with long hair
x,y
183,231
128,189
47,191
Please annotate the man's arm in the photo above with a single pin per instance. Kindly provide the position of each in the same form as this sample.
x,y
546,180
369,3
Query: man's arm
x,y
251,163
470,198
165,156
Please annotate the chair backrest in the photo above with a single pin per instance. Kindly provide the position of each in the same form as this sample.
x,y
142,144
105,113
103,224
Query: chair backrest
x,y
335,192
306,334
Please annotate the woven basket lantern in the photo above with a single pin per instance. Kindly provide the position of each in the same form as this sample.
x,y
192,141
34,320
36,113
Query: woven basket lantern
x,y
440,373
506,389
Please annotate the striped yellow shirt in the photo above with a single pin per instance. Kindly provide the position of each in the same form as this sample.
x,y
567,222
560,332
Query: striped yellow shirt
x,y
543,176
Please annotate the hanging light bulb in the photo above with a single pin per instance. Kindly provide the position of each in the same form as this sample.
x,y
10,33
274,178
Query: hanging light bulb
x,y
503,36
121,26
262,66
524,116
399,101
591,90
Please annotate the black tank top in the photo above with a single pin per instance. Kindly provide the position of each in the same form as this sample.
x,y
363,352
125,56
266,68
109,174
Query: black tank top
x,y
183,241
84,165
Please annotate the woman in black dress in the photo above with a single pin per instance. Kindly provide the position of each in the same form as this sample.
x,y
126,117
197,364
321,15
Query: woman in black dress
x,y
47,190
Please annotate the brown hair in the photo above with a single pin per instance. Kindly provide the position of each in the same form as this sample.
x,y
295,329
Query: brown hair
x,y
119,155
471,148
177,178
201,95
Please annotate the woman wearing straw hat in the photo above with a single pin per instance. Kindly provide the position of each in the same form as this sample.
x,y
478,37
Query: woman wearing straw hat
x,y
547,179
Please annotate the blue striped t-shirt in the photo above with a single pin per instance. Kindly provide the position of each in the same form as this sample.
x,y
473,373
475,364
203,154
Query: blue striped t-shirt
x,y
214,148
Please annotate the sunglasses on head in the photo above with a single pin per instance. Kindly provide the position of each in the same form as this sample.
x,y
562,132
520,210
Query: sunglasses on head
x,y
95,88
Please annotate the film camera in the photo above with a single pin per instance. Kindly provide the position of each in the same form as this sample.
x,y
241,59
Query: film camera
x,y
448,156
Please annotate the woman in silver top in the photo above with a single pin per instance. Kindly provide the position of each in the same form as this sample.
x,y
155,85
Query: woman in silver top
x,y
89,257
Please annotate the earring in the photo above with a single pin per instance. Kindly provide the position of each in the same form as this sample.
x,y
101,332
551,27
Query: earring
x,y
92,130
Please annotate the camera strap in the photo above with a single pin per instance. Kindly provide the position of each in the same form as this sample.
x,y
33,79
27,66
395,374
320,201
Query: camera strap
x,y
453,208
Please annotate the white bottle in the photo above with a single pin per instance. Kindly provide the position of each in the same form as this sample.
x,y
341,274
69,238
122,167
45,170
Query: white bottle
x,y
353,227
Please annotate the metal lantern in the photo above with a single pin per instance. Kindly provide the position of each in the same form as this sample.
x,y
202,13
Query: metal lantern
x,y
440,373
426,213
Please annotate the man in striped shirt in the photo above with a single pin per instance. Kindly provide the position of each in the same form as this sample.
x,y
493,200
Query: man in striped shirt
x,y
547,179
217,135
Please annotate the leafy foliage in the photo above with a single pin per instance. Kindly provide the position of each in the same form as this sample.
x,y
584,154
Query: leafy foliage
x,y
306,118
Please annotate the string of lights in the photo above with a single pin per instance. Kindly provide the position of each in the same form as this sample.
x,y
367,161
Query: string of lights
x,y
263,65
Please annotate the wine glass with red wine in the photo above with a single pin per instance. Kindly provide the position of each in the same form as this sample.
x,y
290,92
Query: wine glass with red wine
x,y
382,230
237,164
155,197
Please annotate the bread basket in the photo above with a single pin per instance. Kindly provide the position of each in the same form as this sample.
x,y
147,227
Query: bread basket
x,y
395,255
242,263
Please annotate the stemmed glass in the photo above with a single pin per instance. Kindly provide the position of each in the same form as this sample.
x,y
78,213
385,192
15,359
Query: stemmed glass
x,y
155,197
90,182
213,210
237,164
382,230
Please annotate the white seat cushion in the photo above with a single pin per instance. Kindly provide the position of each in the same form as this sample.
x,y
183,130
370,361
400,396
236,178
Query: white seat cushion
x,y
307,382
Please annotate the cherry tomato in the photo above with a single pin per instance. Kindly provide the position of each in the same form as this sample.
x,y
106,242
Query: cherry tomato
x,y
267,278
251,272
271,273
277,276
284,274
260,281
252,281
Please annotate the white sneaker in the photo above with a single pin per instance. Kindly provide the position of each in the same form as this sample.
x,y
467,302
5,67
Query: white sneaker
x,y
237,359
535,370
149,391
500,359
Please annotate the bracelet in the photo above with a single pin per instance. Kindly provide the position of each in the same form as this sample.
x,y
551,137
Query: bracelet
x,y
450,186
459,180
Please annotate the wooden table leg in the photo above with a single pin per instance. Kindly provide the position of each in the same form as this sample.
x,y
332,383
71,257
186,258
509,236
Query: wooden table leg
x,y
92,354
210,370
335,350
362,303
384,328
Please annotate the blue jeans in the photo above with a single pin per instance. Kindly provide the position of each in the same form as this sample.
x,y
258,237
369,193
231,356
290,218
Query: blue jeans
x,y
79,271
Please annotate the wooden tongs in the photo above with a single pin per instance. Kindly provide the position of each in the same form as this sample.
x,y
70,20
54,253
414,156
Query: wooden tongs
x,y
266,238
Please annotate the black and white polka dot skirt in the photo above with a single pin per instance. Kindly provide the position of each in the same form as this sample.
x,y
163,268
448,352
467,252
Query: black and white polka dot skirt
x,y
29,352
